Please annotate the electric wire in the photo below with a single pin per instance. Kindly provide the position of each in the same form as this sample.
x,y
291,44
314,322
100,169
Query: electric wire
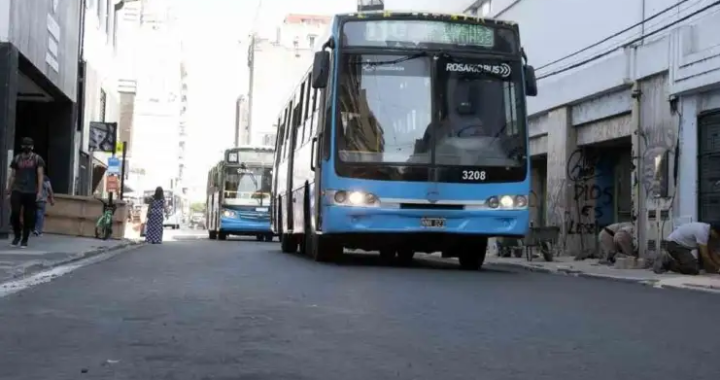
x,y
634,40
614,35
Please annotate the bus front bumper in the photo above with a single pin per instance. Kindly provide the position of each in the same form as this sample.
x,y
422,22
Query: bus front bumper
x,y
243,226
342,220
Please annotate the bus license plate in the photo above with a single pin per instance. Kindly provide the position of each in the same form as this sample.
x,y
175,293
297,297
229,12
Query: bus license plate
x,y
433,222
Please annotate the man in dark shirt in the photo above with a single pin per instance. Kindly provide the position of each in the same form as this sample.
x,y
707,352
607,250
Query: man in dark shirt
x,y
25,190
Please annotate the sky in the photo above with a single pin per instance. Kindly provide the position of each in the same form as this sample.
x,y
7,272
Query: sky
x,y
214,34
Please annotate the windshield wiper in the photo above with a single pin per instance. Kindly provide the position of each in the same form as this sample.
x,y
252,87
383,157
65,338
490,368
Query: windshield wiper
x,y
394,61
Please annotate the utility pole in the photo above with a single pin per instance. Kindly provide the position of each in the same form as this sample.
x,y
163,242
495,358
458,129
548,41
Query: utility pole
x,y
251,70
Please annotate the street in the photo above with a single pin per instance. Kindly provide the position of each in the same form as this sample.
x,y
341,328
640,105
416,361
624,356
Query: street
x,y
200,309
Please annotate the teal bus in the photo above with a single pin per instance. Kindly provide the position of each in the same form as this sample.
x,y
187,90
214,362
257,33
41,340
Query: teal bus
x,y
407,134
238,194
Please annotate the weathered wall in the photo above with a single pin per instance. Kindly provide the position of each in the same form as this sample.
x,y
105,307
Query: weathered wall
x,y
47,33
655,152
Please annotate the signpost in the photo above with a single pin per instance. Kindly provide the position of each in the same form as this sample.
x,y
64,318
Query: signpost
x,y
111,185
113,164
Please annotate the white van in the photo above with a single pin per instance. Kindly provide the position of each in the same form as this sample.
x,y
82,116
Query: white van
x,y
172,220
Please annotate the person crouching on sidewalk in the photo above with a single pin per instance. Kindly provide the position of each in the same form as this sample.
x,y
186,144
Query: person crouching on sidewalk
x,y
616,238
687,249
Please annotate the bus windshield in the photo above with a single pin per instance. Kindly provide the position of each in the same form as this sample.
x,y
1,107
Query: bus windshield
x,y
247,185
385,111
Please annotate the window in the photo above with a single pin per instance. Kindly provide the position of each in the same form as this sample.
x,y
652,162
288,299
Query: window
x,y
308,86
300,120
311,40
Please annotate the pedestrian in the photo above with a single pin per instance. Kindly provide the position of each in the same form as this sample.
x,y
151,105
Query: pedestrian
x,y
25,189
687,249
616,238
47,196
155,217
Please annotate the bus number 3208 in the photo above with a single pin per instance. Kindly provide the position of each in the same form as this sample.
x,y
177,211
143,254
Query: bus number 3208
x,y
473,175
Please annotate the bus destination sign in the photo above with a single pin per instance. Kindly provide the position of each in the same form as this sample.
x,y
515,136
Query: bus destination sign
x,y
419,32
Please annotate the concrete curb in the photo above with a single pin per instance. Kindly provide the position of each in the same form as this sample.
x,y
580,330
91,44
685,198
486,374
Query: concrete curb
x,y
39,266
656,283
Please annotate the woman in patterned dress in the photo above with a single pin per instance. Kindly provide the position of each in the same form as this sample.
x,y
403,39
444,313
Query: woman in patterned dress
x,y
155,218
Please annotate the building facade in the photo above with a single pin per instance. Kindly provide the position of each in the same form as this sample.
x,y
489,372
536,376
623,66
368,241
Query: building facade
x,y
158,104
39,54
276,65
107,89
623,127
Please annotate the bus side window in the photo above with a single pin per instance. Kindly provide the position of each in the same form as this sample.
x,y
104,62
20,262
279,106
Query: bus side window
x,y
299,115
307,119
313,115
298,128
278,139
328,108
288,131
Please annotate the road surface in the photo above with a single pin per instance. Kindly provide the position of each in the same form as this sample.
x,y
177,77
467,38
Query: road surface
x,y
199,309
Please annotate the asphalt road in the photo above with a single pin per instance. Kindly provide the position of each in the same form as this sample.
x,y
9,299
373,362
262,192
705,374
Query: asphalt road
x,y
200,309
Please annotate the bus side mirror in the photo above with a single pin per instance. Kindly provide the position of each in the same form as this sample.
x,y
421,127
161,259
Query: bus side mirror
x,y
530,81
321,69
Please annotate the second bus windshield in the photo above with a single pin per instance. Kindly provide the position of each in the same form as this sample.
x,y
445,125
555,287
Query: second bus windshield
x,y
247,185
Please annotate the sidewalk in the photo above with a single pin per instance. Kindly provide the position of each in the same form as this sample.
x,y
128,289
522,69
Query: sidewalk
x,y
591,268
49,251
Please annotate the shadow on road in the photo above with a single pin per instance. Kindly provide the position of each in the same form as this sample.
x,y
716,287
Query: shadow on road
x,y
373,259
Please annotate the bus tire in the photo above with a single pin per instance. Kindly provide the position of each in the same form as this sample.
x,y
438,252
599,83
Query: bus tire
x,y
288,243
268,238
323,249
405,256
259,237
212,234
473,257
222,235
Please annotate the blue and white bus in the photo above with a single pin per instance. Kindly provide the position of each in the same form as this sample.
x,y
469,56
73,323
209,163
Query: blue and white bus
x,y
238,194
407,134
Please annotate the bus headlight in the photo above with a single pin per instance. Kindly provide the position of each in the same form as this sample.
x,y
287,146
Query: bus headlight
x,y
229,214
493,202
354,198
521,201
507,202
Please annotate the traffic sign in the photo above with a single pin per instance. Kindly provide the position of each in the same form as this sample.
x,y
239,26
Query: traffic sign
x,y
112,184
113,166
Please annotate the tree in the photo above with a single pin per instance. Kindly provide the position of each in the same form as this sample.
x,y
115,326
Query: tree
x,y
197,207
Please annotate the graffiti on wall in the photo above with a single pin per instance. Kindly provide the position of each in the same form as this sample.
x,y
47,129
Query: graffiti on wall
x,y
592,193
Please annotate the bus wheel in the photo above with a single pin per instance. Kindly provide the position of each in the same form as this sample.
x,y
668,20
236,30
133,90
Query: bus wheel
x,y
405,256
212,234
323,249
387,255
222,235
268,238
288,243
259,238
473,257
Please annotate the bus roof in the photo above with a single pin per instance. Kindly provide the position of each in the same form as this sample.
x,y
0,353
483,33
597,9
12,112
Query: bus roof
x,y
415,15
260,148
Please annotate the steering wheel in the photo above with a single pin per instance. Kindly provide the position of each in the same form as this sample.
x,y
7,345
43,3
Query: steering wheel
x,y
476,127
